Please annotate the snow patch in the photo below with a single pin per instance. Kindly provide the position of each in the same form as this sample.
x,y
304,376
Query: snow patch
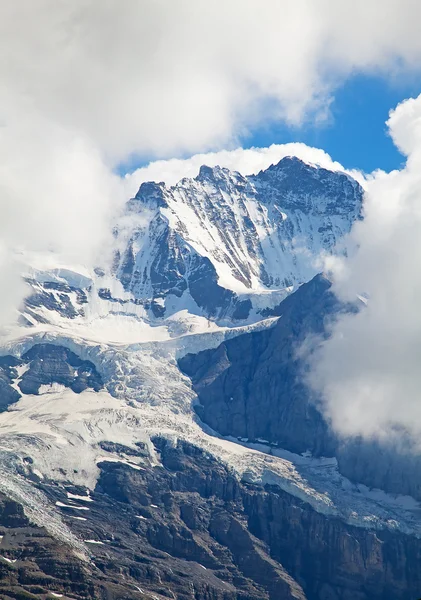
x,y
82,498
51,388
73,506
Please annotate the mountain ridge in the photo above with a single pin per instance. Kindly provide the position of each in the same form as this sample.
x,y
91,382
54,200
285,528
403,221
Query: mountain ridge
x,y
247,234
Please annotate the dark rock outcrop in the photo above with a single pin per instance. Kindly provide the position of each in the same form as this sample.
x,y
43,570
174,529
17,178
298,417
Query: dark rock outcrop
x,y
189,529
393,466
8,394
55,364
45,364
252,386
62,298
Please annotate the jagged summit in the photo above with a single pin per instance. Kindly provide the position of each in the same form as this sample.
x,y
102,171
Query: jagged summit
x,y
150,191
246,235
217,172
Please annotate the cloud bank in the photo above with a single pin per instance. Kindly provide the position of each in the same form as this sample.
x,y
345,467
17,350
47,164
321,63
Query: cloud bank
x,y
246,161
87,84
369,372
161,77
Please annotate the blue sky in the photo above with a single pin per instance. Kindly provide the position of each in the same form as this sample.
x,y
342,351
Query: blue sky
x,y
356,135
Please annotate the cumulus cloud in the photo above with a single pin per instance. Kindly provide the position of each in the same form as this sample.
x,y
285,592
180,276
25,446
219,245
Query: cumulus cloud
x,y
57,197
246,161
163,77
87,84
368,372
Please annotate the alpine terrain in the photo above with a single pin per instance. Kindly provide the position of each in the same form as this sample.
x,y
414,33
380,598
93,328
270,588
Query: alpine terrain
x,y
157,436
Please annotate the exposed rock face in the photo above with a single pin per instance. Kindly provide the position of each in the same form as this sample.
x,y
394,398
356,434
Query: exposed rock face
x,y
54,364
65,299
252,386
395,468
332,560
221,232
45,364
32,564
189,529
8,372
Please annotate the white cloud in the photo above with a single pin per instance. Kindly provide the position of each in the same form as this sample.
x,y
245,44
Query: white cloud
x,y
56,196
246,161
88,83
369,371
162,77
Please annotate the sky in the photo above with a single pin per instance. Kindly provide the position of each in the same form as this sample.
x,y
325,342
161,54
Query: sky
x,y
90,85
355,133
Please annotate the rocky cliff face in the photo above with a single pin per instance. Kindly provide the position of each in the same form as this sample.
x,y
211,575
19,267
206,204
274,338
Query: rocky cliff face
x,y
190,529
253,387
386,465
44,365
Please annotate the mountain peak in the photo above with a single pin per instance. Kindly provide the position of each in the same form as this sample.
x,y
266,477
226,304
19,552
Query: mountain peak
x,y
151,192
206,172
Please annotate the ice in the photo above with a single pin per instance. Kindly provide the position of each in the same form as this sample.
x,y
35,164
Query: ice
x,y
53,422
21,370
147,395
76,497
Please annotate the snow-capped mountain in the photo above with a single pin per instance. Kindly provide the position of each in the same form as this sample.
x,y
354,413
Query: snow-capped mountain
x,y
154,433
226,240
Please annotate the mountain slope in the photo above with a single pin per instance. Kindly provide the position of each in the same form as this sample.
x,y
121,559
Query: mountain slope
x,y
101,446
253,386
